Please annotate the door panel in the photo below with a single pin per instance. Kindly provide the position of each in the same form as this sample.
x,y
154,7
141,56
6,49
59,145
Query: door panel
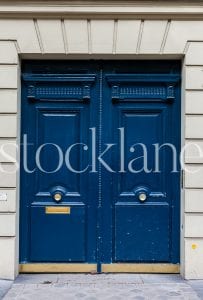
x,y
141,232
58,229
58,237
51,124
143,127
74,214
143,108
58,108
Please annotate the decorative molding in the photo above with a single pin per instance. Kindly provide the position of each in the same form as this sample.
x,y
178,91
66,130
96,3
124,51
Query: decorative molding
x,y
125,87
131,78
59,93
60,77
76,88
148,9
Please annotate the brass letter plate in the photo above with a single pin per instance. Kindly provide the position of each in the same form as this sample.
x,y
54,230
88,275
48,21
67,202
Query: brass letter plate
x,y
57,210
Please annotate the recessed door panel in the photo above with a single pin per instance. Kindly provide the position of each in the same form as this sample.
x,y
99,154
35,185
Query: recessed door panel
x,y
58,235
56,142
142,129
142,232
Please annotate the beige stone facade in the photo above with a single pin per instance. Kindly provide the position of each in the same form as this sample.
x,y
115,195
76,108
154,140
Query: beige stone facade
x,y
62,30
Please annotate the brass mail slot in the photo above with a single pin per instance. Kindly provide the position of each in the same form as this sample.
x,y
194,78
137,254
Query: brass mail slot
x,y
57,210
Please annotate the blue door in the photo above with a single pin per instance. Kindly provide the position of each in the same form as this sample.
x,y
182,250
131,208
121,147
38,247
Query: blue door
x,y
100,179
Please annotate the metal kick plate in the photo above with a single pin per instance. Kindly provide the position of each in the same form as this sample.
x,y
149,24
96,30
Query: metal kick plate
x,y
57,210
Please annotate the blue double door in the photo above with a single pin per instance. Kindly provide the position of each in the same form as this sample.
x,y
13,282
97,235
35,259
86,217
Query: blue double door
x,y
100,180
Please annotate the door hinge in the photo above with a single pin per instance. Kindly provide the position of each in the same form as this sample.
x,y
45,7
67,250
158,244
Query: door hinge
x,y
182,179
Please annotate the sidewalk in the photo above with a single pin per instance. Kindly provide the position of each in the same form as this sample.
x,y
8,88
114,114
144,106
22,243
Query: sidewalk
x,y
4,287
103,286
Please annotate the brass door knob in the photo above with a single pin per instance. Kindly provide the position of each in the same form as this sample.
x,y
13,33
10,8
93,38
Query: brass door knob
x,y
142,197
57,197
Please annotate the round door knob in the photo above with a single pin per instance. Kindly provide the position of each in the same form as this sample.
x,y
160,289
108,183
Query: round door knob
x,y
142,197
57,197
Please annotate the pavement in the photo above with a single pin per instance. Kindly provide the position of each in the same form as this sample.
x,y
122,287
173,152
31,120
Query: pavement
x,y
100,286
5,285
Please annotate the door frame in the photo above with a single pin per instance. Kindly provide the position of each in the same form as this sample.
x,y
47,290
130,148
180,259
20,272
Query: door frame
x,y
112,268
